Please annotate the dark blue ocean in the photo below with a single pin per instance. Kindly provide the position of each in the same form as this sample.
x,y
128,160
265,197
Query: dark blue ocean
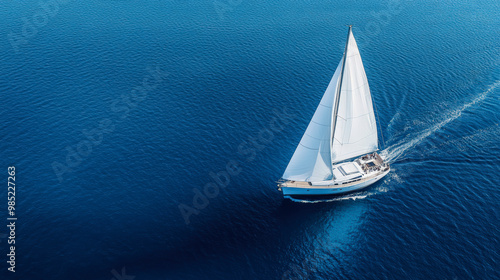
x,y
145,141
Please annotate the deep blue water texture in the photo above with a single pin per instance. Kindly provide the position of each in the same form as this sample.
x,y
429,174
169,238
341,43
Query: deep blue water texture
x,y
218,72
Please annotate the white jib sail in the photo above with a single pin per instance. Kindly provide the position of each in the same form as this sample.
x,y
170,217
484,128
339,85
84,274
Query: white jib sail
x,y
355,128
312,158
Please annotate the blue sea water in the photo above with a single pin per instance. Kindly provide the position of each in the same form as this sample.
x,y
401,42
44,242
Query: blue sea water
x,y
116,113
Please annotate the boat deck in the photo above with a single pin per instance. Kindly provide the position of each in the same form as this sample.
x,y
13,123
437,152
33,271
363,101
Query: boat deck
x,y
297,184
371,164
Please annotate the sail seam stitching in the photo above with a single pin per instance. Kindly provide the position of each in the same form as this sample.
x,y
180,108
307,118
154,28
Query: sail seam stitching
x,y
356,141
356,88
319,123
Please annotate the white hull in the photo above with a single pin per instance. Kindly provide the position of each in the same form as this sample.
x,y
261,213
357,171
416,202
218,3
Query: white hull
x,y
332,189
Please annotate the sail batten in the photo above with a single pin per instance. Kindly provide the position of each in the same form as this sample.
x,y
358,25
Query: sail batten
x,y
343,125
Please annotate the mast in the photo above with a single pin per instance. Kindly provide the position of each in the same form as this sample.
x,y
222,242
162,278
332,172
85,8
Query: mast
x,y
337,95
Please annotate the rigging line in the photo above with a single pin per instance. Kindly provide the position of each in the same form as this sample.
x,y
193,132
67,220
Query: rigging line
x,y
378,122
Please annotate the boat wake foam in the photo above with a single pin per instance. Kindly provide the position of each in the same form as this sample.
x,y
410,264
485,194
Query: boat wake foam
x,y
395,151
346,197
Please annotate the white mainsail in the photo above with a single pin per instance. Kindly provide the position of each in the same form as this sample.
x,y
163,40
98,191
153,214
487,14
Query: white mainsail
x,y
355,130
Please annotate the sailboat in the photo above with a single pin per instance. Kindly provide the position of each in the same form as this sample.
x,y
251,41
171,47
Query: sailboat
x,y
338,151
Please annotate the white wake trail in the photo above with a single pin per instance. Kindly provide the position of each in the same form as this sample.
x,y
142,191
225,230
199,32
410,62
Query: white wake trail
x,y
347,197
393,152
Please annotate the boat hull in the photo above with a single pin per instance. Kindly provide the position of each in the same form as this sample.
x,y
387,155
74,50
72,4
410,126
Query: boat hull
x,y
332,189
